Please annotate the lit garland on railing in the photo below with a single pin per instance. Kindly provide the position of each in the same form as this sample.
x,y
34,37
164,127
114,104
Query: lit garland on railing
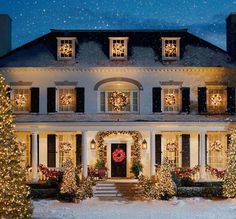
x,y
186,172
215,172
119,100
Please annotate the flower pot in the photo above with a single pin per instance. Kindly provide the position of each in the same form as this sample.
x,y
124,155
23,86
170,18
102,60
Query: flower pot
x,y
101,173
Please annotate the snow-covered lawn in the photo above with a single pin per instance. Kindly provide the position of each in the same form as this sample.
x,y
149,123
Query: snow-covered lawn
x,y
190,208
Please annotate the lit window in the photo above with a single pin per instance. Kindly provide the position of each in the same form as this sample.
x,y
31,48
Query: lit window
x,y
171,148
216,100
217,146
66,148
170,48
65,48
171,100
66,99
118,48
21,100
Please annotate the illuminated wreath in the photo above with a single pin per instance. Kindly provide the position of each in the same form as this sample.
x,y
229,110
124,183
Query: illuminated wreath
x,y
66,49
171,146
216,99
66,99
20,100
118,100
170,99
118,155
216,146
170,49
65,146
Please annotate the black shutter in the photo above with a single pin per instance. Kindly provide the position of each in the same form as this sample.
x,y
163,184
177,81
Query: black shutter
x,y
199,151
34,100
202,101
231,100
78,149
51,98
206,150
158,149
156,99
51,150
186,99
228,141
185,150
80,99
31,145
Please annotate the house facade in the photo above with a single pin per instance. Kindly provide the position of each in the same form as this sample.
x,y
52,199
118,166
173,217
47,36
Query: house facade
x,y
118,95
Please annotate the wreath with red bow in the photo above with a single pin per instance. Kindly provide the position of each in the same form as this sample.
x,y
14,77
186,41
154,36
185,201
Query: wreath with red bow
x,y
118,155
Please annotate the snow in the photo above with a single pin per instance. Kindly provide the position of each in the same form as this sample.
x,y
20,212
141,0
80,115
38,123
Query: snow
x,y
194,208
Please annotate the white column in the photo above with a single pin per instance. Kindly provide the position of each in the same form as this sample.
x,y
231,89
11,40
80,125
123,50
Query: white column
x,y
34,157
202,155
84,153
152,153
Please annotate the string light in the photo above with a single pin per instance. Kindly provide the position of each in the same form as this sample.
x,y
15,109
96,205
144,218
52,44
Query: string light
x,y
66,49
119,100
216,99
170,99
20,100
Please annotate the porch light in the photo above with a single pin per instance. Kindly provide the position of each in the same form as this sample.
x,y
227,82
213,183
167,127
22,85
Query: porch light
x,y
92,144
144,144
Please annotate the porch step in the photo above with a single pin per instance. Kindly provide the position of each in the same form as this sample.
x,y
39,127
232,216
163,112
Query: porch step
x,y
125,190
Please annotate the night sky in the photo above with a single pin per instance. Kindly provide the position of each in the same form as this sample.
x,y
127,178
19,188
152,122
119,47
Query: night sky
x,y
204,18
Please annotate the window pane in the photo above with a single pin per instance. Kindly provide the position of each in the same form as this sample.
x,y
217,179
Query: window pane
x,y
102,102
135,101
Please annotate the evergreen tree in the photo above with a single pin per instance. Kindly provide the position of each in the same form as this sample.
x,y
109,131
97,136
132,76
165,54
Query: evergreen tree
x,y
14,194
69,179
229,186
165,186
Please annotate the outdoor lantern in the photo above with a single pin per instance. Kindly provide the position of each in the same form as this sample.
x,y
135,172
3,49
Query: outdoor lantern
x,y
92,144
144,144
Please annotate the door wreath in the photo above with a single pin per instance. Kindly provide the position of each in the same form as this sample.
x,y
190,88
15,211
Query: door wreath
x,y
118,155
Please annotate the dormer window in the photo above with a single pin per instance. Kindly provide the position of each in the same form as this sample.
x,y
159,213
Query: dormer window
x,y
118,48
65,48
170,48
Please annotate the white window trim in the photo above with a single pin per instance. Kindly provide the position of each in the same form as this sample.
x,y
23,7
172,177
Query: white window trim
x,y
13,88
106,102
163,98
59,39
57,98
212,87
126,48
163,39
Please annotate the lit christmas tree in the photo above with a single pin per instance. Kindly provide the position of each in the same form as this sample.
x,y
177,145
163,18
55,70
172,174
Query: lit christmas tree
x,y
14,194
229,186
165,185
69,179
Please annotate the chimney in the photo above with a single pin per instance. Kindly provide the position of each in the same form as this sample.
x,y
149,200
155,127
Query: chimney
x,y
5,34
231,35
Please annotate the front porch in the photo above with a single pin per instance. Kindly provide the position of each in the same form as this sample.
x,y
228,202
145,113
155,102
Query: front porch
x,y
184,145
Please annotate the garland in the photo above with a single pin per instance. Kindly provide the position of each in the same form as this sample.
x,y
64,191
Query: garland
x,y
118,155
20,100
215,172
65,146
135,148
186,172
66,49
216,99
66,99
170,99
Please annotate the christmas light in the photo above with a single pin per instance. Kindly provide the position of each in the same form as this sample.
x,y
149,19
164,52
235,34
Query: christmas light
x,y
170,49
119,100
66,49
171,146
20,100
216,146
216,99
66,99
118,48
170,99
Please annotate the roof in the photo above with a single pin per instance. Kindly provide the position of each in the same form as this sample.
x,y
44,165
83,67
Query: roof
x,y
41,52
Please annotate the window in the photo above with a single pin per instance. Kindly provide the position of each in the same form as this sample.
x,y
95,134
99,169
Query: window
x,y
118,48
216,100
66,148
170,48
66,99
65,48
171,148
171,99
21,100
217,147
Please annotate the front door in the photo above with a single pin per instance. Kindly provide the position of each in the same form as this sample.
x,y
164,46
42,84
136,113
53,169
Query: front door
x,y
118,160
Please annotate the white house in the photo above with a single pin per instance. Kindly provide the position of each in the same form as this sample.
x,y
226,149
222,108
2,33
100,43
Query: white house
x,y
117,94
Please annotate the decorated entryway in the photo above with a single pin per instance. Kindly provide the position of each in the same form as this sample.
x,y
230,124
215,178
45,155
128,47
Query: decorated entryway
x,y
118,160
